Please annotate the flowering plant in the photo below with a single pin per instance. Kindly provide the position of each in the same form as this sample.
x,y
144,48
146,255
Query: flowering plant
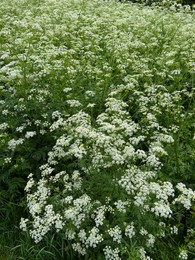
x,y
112,187
97,126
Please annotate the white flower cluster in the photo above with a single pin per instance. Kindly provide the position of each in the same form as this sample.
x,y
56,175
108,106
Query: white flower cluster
x,y
115,233
183,255
79,211
151,240
143,255
103,146
111,254
130,230
30,134
121,205
78,248
161,209
100,215
43,224
73,103
23,225
4,126
12,144
186,197
94,238
30,183
174,230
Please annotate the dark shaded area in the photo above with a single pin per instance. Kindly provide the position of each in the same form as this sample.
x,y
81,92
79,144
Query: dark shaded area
x,y
149,2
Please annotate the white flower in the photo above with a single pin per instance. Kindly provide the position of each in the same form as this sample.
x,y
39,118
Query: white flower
x,y
115,233
66,90
68,199
13,143
4,126
59,223
90,93
56,114
143,255
111,254
5,112
186,197
29,184
23,224
143,231
174,230
30,134
82,236
120,205
161,209
79,248
91,105
130,230
183,255
94,237
20,128
73,103
150,241
7,160
70,234
100,215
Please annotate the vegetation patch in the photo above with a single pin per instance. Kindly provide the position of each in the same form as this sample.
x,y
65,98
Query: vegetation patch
x,y
97,148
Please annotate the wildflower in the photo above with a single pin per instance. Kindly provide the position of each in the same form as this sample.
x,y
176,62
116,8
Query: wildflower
x,y
4,126
78,248
115,233
23,223
73,103
150,241
161,209
186,197
13,143
120,205
91,105
90,93
143,231
30,134
183,255
7,160
111,254
66,90
94,237
100,215
174,230
130,230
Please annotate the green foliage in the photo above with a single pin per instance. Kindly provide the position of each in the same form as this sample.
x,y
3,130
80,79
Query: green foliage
x,y
165,3
96,96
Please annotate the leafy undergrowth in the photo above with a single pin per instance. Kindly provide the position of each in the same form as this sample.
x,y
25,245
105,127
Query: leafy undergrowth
x,y
97,148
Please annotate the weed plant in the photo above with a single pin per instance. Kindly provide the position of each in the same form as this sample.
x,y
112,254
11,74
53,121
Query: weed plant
x,y
97,127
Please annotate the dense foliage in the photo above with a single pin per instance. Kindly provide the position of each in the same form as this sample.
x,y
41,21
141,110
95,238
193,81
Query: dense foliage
x,y
190,3
97,148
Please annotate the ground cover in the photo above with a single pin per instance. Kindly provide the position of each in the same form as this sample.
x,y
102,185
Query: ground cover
x,y
97,148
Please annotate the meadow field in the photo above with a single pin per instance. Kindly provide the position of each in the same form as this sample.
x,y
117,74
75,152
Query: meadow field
x,y
97,130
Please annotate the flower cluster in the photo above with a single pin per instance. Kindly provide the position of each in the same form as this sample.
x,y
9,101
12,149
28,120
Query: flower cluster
x,y
187,196
98,150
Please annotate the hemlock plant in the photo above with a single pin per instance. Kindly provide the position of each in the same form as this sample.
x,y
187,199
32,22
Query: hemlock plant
x,y
97,102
